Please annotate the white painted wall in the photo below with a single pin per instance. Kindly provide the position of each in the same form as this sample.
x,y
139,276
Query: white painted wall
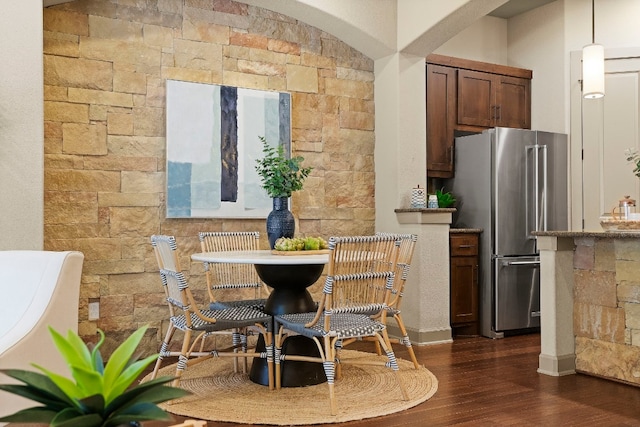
x,y
485,40
616,23
21,126
543,39
536,42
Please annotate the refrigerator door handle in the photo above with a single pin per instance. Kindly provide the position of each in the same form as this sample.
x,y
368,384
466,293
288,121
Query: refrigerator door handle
x,y
509,263
531,189
542,213
536,193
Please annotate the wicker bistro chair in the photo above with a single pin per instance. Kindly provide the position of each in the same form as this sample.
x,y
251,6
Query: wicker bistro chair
x,y
403,264
223,277
359,279
187,317
407,243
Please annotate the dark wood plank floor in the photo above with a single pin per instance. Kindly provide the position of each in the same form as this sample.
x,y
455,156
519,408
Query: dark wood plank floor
x,y
484,382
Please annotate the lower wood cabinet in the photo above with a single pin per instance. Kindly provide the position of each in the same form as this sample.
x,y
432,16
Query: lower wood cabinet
x,y
464,283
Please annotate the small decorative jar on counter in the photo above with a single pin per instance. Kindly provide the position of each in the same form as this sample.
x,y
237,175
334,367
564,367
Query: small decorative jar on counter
x,y
418,198
433,201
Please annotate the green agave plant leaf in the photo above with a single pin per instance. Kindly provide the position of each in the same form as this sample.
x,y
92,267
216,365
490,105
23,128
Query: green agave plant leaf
x,y
69,419
121,356
141,412
126,378
89,381
31,393
118,362
93,404
38,387
31,415
67,386
72,348
148,392
96,356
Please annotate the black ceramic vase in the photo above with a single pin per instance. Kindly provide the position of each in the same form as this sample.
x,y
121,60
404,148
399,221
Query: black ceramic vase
x,y
280,222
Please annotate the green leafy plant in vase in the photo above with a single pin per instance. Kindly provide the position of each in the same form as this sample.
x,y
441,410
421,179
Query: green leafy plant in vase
x,y
634,158
99,395
280,176
445,199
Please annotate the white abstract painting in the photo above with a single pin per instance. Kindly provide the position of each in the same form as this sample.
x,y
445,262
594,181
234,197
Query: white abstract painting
x,y
212,146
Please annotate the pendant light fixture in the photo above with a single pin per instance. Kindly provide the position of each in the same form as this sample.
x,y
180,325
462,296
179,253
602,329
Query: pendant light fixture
x,y
593,63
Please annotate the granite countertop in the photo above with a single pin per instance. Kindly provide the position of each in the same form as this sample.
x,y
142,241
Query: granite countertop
x,y
426,210
597,234
465,230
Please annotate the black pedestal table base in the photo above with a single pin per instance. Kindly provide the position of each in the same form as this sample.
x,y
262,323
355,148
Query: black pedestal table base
x,y
290,295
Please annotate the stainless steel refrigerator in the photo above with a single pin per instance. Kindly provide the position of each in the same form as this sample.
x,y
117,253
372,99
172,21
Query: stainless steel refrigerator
x,y
510,182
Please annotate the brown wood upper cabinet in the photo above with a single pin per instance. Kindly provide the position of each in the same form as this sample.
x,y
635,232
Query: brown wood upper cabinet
x,y
441,117
470,96
491,100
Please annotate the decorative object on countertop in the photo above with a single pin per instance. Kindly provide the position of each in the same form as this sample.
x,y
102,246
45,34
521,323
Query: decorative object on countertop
x,y
101,395
608,223
622,217
445,198
433,201
625,208
280,176
418,198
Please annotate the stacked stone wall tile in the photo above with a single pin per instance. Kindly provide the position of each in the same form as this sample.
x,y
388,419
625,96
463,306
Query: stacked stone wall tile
x,y
105,68
607,308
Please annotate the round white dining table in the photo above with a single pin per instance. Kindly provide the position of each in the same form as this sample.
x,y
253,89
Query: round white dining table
x,y
289,276
265,257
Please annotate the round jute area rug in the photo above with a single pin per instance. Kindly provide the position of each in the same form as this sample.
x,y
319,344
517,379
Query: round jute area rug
x,y
364,391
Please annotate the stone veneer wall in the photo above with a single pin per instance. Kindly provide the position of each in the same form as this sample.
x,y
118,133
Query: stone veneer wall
x,y
105,66
607,307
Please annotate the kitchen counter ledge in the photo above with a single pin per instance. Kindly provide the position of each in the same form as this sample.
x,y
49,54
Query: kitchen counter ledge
x,y
426,210
465,230
598,234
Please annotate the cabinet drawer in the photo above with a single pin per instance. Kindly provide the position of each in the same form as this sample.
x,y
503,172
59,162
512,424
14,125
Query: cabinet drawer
x,y
464,245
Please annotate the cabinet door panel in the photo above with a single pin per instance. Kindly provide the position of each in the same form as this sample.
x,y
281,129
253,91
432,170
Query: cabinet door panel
x,y
476,98
513,102
464,289
441,98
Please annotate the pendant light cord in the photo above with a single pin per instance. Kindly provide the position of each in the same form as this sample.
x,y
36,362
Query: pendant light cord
x,y
593,21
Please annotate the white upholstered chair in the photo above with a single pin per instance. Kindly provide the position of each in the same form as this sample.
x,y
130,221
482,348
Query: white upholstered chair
x,y
38,289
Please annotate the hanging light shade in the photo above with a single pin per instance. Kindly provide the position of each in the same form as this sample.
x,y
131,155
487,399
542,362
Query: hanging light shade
x,y
593,71
593,64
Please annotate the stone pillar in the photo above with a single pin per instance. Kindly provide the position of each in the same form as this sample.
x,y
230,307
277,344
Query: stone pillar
x,y
557,350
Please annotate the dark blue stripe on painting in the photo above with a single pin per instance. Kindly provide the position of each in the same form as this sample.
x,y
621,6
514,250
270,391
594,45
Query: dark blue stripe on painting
x,y
229,143
179,189
284,116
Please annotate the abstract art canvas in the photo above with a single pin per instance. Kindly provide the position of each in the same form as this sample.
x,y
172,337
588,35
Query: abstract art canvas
x,y
212,145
